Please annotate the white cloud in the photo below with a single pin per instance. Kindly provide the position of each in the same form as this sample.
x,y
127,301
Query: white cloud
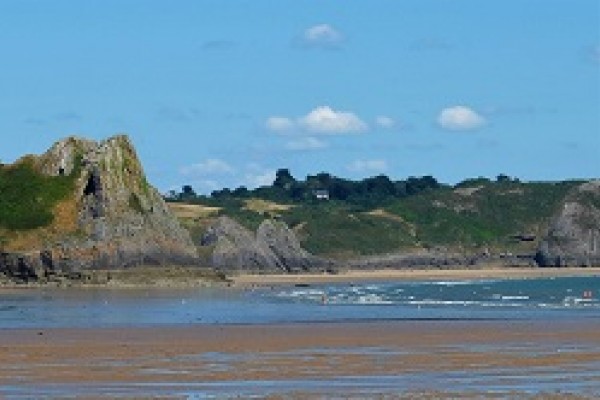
x,y
206,185
306,143
368,166
257,179
323,35
211,166
279,124
328,121
460,118
256,175
321,120
385,122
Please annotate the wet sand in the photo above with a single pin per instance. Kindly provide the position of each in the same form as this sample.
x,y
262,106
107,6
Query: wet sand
x,y
408,359
412,274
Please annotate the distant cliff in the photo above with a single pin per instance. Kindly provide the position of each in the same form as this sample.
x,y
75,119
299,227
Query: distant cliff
x,y
274,248
108,217
573,238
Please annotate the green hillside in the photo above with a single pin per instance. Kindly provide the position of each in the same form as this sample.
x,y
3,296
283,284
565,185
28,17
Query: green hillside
x,y
379,216
27,197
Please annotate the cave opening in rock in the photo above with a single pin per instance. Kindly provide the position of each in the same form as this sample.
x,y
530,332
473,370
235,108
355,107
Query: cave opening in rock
x,y
93,185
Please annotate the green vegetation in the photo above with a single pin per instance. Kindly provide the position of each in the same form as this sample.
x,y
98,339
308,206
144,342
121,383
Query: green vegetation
x,y
377,215
27,197
335,228
489,215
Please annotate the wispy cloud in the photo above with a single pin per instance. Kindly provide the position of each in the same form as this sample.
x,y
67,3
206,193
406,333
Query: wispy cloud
x,y
460,118
279,124
385,122
254,180
322,36
255,176
61,117
211,166
215,173
306,144
368,166
176,114
34,121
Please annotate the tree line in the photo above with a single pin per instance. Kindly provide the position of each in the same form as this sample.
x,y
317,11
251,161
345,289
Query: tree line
x,y
286,188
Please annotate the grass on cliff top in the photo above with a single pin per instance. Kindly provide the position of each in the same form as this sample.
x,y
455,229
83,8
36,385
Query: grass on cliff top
x,y
27,197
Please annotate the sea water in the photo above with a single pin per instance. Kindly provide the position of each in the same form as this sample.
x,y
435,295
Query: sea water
x,y
525,299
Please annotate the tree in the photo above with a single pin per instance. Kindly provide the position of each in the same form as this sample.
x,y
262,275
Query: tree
x,y
283,179
187,192
241,191
502,178
172,195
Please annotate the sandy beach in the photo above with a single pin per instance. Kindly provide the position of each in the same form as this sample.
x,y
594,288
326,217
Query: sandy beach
x,y
303,360
441,353
412,274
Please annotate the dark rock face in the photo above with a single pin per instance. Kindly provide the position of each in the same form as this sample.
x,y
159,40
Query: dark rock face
x,y
274,248
430,259
119,220
36,267
573,238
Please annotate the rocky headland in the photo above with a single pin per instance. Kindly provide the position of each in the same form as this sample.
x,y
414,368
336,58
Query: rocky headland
x,y
112,218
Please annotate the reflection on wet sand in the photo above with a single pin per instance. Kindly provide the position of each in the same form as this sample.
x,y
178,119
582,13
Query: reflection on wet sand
x,y
412,359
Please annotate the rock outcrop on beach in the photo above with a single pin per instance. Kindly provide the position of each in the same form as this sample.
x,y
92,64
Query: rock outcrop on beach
x,y
112,219
273,248
573,238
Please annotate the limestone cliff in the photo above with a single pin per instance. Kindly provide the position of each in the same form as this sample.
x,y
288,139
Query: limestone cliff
x,y
573,238
274,248
113,218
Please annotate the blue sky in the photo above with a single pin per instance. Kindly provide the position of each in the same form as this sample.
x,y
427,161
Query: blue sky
x,y
223,93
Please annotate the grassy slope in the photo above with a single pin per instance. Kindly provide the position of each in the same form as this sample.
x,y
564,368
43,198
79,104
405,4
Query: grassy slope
x,y
487,217
483,215
34,207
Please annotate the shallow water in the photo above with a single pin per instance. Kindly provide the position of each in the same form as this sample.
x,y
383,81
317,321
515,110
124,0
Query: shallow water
x,y
566,366
499,383
431,300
